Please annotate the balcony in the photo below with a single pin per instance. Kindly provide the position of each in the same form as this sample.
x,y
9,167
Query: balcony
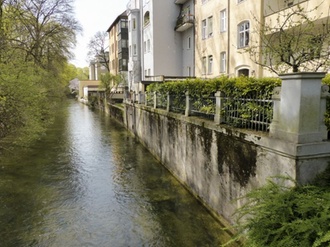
x,y
184,22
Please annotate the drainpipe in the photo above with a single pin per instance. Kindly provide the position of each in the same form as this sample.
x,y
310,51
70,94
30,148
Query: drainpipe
x,y
262,23
228,38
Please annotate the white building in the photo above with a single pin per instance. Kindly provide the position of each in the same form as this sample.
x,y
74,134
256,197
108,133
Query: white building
x,y
157,45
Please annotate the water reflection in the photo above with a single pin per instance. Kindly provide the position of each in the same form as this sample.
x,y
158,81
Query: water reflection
x,y
90,183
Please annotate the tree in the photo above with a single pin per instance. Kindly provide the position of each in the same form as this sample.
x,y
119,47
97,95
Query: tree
x,y
111,82
297,39
97,49
44,31
36,37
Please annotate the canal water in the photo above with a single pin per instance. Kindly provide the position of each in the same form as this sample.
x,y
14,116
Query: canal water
x,y
88,182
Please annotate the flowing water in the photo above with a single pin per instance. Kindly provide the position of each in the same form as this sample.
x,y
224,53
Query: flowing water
x,y
88,182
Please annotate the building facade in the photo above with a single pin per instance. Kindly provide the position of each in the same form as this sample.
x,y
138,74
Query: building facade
x,y
159,44
197,38
118,47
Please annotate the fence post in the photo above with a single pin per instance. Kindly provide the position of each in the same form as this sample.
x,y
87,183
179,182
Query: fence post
x,y
155,100
146,99
218,117
168,105
140,98
188,105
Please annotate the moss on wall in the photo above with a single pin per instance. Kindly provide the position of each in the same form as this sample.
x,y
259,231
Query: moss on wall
x,y
239,156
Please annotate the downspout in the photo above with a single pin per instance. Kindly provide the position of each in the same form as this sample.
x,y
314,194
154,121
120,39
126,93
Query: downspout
x,y
262,23
228,38
141,45
194,33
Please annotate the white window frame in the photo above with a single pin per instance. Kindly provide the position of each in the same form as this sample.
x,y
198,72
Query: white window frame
x,y
223,62
204,26
203,65
223,20
210,65
243,34
210,26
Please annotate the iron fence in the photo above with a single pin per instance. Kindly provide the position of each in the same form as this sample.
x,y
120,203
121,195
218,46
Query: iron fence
x,y
248,112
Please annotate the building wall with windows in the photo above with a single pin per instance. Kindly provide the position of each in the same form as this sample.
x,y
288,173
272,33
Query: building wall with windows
x,y
118,45
134,43
162,50
223,30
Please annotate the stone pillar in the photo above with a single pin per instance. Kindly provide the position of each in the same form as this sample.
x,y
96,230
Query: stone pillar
x,y
140,98
168,105
218,117
298,112
146,99
188,105
155,100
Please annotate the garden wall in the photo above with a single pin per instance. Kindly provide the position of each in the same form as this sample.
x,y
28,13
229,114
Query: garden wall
x,y
219,164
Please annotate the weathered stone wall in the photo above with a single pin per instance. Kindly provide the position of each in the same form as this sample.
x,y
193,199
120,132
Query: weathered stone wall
x,y
219,164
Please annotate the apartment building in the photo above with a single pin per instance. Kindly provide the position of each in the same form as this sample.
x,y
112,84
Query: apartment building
x,y
118,46
161,40
223,30
202,38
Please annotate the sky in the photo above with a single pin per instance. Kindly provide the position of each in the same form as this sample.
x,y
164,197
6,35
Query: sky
x,y
94,16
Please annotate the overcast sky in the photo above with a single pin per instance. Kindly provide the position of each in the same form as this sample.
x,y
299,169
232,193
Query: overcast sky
x,y
94,16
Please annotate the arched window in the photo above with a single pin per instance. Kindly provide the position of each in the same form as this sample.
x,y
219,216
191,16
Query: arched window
x,y
243,72
146,18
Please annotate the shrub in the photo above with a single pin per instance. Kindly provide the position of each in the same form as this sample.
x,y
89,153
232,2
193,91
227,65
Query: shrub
x,y
281,215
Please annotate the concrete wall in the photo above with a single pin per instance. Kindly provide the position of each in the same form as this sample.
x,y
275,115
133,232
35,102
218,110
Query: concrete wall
x,y
218,164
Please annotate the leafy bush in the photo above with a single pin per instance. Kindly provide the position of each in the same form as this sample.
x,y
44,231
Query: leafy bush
x,y
326,80
278,214
201,91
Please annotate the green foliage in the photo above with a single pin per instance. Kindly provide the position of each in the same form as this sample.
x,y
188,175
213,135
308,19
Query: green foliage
x,y
234,87
282,213
326,80
35,42
201,92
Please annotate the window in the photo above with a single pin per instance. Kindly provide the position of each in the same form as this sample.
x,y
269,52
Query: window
x,y
223,20
204,29
223,62
148,45
145,47
149,72
189,71
134,49
243,34
239,1
210,64
189,43
243,72
204,66
210,26
146,19
134,23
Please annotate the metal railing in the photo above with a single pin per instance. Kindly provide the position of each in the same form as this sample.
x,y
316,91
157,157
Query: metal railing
x,y
254,112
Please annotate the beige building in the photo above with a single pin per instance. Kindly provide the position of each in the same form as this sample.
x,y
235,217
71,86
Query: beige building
x,y
222,32
225,28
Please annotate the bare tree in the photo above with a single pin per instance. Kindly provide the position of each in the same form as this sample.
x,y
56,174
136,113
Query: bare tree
x,y
97,49
45,30
298,40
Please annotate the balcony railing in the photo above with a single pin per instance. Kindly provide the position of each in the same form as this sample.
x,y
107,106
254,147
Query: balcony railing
x,y
184,22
